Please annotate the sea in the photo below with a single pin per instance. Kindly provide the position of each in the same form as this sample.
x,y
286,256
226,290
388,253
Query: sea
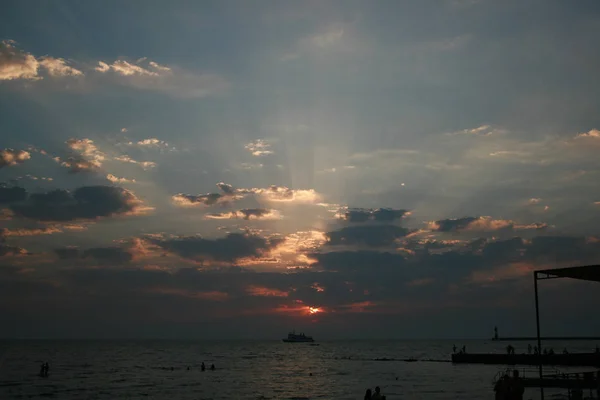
x,y
260,370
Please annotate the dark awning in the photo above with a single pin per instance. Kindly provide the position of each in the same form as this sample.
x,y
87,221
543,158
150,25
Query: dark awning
x,y
586,273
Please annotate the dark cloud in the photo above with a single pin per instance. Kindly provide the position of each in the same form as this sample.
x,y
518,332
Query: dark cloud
x,y
105,255
341,261
482,224
206,199
371,235
108,255
88,202
379,214
12,194
453,225
6,250
67,253
246,213
503,250
10,157
228,249
348,283
229,194
226,188
561,249
273,193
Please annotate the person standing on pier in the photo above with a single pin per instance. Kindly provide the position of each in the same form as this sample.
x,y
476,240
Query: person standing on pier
x,y
529,348
517,388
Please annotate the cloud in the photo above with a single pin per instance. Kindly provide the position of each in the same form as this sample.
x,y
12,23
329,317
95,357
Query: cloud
x,y
231,248
108,255
57,67
16,64
173,81
49,230
328,38
247,214
77,164
369,235
593,133
144,164
88,202
6,250
229,194
86,158
103,255
259,148
10,157
273,193
12,194
116,179
124,68
276,193
151,142
480,224
66,253
261,291
344,261
367,214
483,130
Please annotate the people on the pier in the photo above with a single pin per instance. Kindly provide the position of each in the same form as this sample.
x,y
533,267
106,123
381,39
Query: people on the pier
x,y
529,349
45,367
454,349
545,351
551,351
536,350
464,349
202,367
377,395
517,388
501,388
212,367
510,349
368,394
565,351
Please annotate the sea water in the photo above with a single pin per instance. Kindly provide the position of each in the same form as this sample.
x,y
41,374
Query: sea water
x,y
252,369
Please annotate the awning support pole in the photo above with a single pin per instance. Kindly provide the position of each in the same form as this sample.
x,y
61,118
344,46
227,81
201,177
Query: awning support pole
x,y
539,338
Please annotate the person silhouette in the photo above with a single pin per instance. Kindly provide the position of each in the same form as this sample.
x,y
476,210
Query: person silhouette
x,y
377,395
368,394
203,367
212,367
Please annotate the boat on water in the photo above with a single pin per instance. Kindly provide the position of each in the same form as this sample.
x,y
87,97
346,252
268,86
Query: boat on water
x,y
298,338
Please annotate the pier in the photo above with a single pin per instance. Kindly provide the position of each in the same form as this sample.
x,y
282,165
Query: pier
x,y
556,379
573,360
545,338
566,381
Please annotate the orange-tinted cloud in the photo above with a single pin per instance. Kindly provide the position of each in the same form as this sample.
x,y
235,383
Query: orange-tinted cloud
x,y
265,292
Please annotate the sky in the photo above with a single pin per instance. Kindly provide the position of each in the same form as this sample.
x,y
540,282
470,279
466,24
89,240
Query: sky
x,y
352,169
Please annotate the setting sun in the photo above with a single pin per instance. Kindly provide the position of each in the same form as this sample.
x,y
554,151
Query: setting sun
x,y
314,310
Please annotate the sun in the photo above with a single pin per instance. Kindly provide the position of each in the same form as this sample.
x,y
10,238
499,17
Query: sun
x,y
314,310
